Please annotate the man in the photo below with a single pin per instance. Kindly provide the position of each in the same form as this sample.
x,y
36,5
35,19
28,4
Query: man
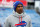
x,y
19,18
0,24
38,10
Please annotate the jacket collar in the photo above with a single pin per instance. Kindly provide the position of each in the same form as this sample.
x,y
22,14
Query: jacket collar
x,y
17,15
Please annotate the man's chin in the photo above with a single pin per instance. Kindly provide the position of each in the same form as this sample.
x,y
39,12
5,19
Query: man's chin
x,y
20,12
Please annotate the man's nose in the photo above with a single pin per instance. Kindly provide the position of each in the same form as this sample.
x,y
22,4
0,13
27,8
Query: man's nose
x,y
20,7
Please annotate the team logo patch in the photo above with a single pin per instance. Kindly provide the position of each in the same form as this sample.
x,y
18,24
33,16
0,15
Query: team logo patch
x,y
21,24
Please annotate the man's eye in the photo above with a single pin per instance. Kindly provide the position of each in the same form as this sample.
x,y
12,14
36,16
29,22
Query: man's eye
x,y
18,6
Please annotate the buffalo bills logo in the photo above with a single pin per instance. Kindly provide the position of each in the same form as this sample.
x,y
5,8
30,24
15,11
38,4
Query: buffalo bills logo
x,y
22,24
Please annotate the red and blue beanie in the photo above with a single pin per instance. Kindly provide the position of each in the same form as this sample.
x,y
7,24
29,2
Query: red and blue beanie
x,y
16,4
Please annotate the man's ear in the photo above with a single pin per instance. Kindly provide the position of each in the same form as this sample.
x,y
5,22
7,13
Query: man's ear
x,y
16,8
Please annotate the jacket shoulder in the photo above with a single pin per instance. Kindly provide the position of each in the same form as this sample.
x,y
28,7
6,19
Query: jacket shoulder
x,y
9,17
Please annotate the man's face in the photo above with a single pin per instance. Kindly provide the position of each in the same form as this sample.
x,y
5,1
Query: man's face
x,y
19,9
